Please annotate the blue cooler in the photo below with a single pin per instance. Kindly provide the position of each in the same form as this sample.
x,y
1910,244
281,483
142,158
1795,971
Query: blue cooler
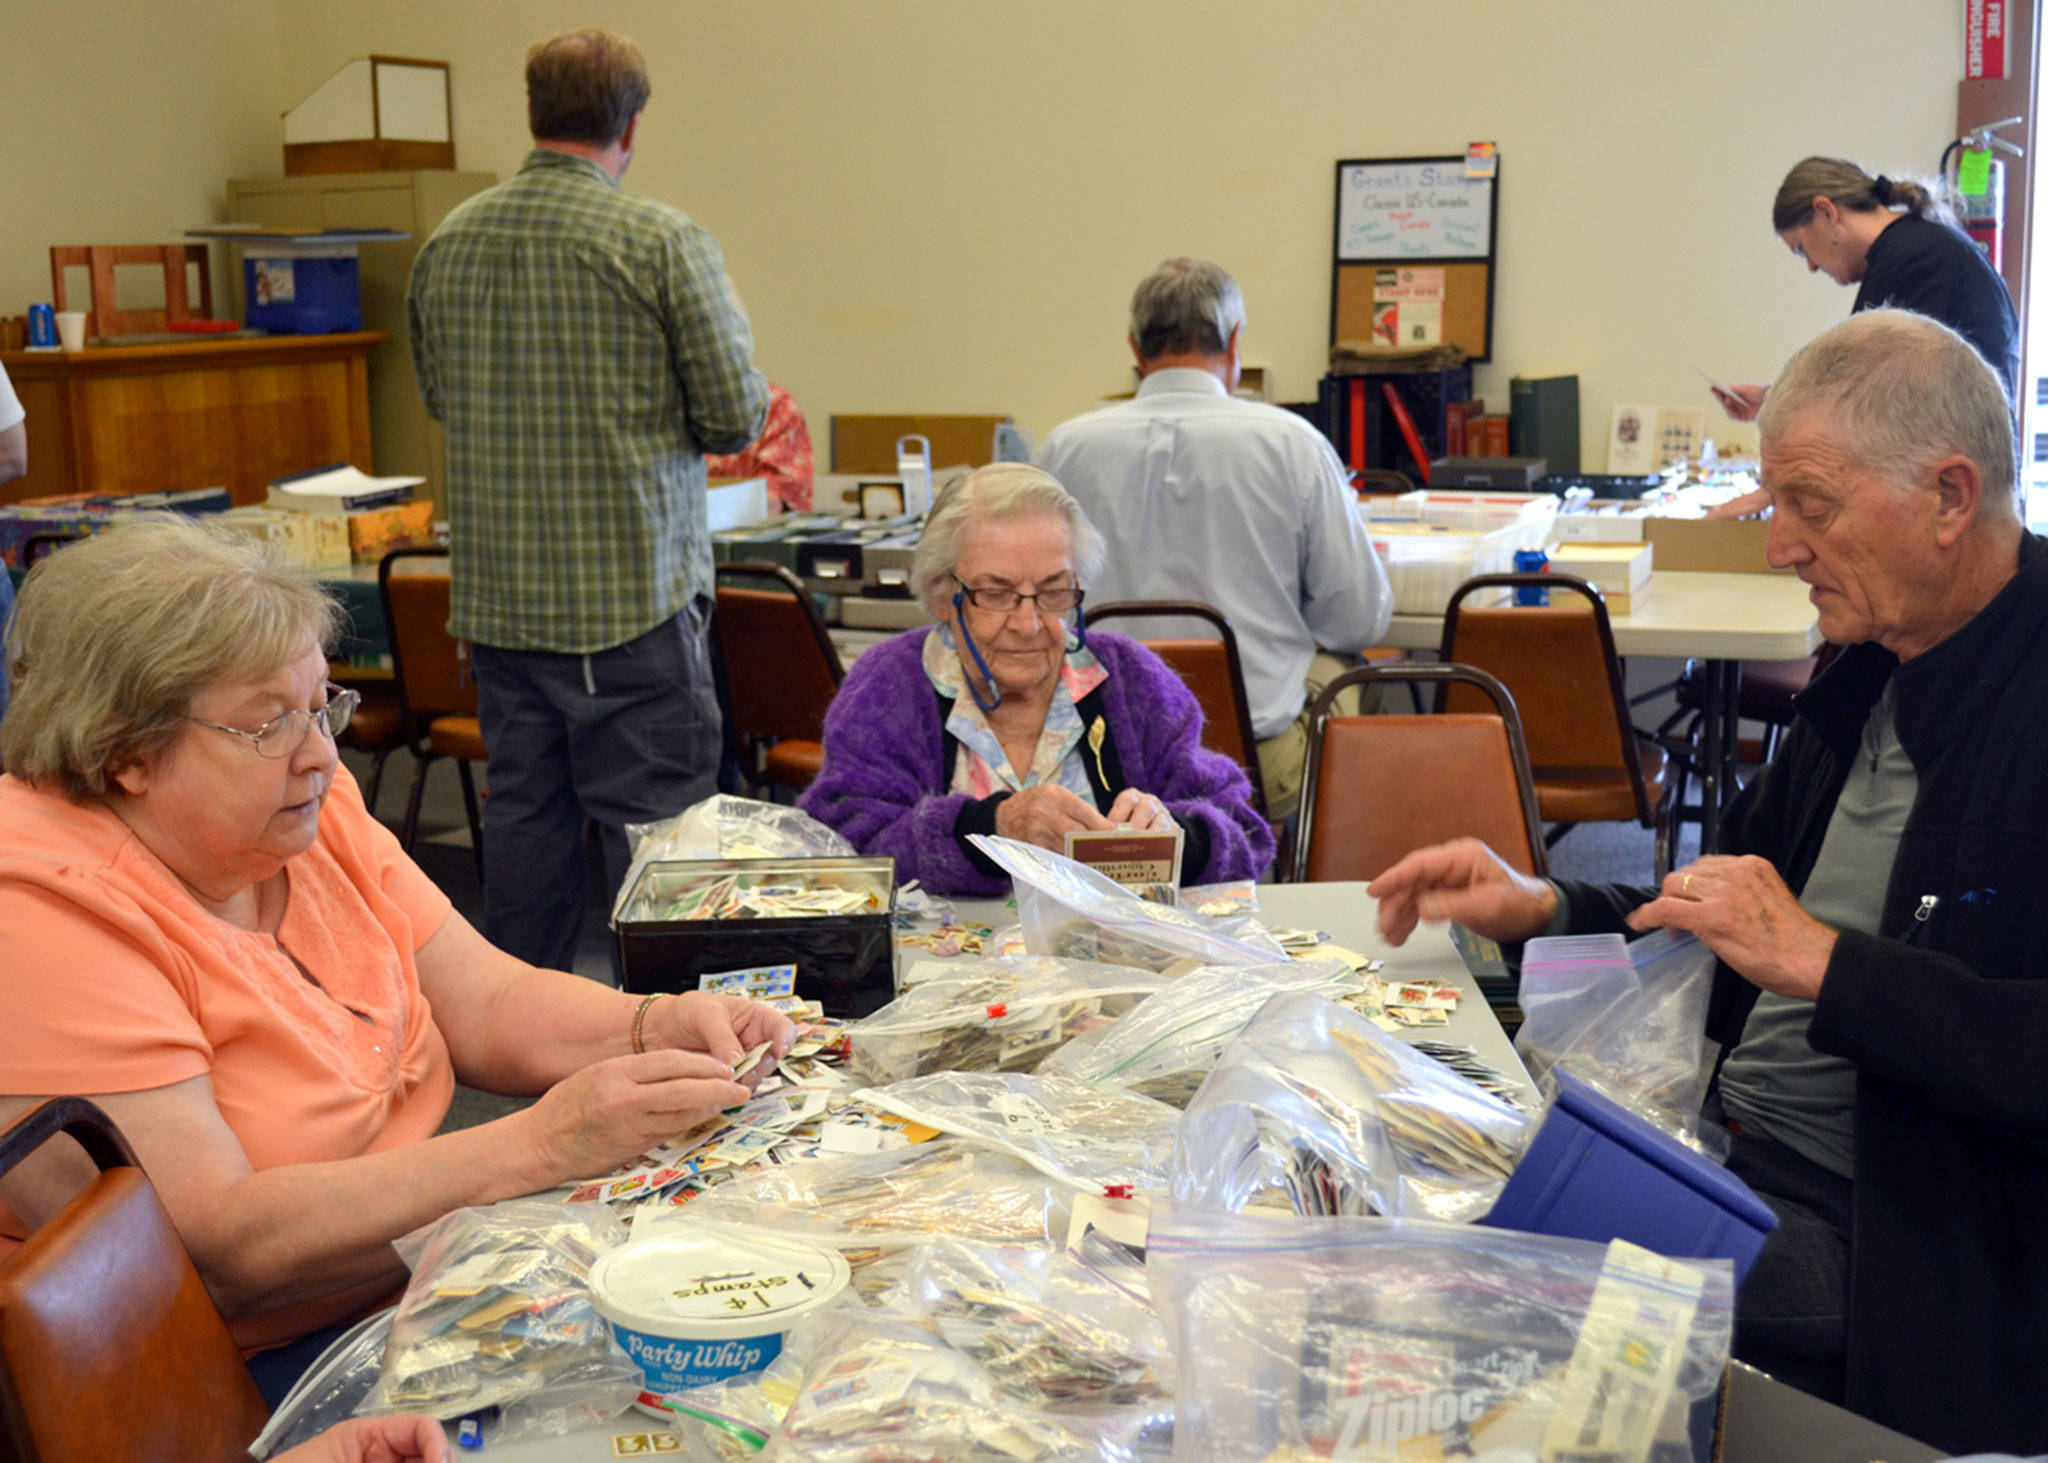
x,y
1597,1172
310,289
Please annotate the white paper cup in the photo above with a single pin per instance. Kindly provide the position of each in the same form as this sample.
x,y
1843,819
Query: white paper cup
x,y
71,329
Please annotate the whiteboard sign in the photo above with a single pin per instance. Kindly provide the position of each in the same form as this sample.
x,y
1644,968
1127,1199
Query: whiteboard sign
x,y
1419,208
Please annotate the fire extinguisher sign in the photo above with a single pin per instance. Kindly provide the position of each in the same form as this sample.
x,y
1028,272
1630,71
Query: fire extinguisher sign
x,y
1984,40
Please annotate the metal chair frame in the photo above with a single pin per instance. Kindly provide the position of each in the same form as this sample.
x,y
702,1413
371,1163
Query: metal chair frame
x,y
761,574
1649,815
1215,618
416,723
1416,674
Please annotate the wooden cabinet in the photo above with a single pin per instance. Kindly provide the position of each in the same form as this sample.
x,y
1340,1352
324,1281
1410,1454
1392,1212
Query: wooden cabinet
x,y
406,439
214,413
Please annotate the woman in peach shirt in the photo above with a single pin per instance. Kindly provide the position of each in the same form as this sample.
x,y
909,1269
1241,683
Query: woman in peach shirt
x,y
203,930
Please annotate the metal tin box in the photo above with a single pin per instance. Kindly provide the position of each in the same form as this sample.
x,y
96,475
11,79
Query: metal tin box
x,y
844,961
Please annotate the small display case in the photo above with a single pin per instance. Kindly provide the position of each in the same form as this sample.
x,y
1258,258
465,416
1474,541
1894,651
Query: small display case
x,y
670,932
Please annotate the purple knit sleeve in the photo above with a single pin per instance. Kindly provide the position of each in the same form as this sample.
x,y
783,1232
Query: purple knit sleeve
x,y
1158,726
884,758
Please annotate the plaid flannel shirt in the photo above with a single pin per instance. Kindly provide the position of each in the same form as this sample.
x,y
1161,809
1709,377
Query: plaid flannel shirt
x,y
584,349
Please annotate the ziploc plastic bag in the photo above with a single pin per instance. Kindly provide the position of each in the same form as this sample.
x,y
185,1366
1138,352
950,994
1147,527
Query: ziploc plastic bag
x,y
1169,1042
1403,1340
1092,1138
331,1388
881,1386
1315,1105
1000,1015
728,827
498,1313
1070,910
1043,1327
897,1197
1628,1019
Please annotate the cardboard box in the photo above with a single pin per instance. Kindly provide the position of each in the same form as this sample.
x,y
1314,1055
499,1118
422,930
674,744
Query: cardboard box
x,y
1615,568
1710,546
307,540
375,532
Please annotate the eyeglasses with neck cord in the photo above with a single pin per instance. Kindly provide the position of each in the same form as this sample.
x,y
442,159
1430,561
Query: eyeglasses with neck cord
x,y
1001,599
283,735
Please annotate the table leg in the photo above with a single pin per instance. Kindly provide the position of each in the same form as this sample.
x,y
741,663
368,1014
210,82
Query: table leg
x,y
1713,764
1720,747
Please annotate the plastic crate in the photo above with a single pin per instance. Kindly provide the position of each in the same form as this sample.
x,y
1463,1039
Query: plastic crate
x,y
1426,564
1363,430
302,290
1531,515
1597,1172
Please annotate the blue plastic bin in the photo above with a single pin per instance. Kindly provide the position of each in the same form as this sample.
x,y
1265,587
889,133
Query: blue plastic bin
x,y
293,292
1596,1171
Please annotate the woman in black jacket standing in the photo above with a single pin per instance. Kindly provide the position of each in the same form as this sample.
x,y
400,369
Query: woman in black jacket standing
x,y
1897,241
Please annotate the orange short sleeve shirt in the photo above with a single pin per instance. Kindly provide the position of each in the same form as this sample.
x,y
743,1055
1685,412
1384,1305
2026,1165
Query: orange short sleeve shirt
x,y
318,1040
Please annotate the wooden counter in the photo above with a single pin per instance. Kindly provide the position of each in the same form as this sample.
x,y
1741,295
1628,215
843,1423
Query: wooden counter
x,y
208,413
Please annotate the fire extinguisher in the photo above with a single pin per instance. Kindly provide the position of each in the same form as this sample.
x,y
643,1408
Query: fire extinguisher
x,y
1983,207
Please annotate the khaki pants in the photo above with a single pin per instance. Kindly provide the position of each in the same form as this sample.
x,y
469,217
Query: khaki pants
x,y
1283,759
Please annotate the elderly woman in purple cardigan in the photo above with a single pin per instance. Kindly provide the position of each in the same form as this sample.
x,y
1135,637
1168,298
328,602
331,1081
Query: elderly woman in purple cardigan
x,y
1007,718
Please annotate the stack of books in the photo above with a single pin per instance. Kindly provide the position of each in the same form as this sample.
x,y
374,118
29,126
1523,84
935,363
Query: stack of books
x,y
374,515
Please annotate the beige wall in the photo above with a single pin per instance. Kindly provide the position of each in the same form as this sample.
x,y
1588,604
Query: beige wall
x,y
933,206
123,120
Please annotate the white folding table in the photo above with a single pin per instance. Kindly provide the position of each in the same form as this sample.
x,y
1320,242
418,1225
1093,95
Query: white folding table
x,y
1720,620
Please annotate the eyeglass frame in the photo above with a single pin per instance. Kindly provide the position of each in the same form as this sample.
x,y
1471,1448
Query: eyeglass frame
x,y
332,721
971,595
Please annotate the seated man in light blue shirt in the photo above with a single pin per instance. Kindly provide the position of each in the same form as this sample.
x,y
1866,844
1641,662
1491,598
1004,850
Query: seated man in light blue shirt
x,y
1234,503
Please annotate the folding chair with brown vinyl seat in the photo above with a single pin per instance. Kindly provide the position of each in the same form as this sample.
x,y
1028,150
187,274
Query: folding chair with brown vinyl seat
x,y
781,671
1558,661
377,726
110,1346
1379,787
436,691
1212,669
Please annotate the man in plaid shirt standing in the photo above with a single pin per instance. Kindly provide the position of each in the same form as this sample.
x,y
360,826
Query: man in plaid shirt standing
x,y
584,349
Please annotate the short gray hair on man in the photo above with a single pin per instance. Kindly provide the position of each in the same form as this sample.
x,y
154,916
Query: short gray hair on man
x,y
1909,392
114,636
1185,307
1000,491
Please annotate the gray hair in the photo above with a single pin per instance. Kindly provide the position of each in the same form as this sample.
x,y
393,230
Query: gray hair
x,y
1909,391
1185,307
1000,491
1850,188
114,636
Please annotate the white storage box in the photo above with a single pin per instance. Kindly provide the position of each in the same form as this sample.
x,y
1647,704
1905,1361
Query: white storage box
x,y
1425,564
1596,527
1471,510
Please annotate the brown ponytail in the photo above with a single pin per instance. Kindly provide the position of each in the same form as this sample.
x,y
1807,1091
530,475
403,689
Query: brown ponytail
x,y
1849,188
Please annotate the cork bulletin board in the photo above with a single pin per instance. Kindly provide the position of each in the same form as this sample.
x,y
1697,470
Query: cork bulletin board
x,y
1421,215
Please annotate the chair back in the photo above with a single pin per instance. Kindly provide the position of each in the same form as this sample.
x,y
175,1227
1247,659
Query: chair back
x,y
1558,662
1378,788
781,667
430,666
1212,669
110,1346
